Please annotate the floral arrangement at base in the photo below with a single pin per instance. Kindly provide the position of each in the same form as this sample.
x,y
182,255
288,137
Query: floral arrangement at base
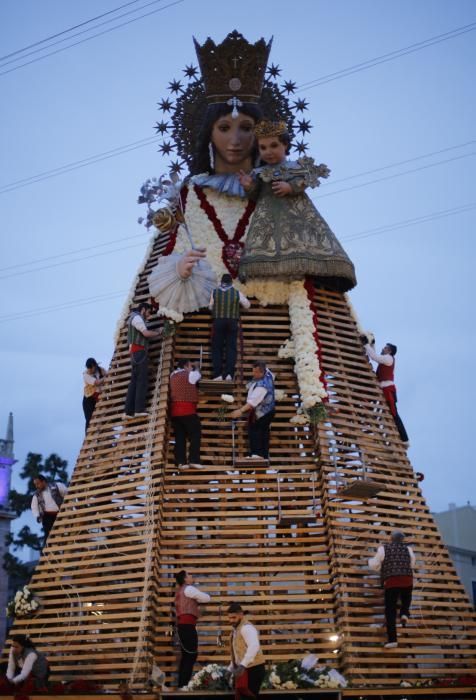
x,y
294,674
467,679
23,604
211,677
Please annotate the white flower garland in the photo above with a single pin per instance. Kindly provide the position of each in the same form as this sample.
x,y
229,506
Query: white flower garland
x,y
306,365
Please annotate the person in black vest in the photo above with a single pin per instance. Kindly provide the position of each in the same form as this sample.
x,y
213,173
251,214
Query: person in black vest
x,y
385,374
396,562
225,307
26,665
47,501
138,336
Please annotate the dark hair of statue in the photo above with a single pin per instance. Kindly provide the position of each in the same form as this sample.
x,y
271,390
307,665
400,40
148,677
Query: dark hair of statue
x,y
201,159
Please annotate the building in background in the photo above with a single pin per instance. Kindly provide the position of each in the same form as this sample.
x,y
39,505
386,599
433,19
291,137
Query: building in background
x,y
458,529
6,516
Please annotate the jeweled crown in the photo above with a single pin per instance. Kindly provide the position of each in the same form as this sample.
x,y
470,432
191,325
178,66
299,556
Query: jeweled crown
x,y
266,128
234,68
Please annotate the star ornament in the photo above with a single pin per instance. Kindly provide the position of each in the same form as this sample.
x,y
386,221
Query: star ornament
x,y
165,105
165,148
190,71
301,105
175,86
161,127
304,126
301,147
289,86
176,167
274,71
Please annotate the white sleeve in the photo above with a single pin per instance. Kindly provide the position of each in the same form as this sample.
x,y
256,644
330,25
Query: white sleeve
x,y
61,488
211,302
246,303
89,378
11,665
34,506
381,359
250,635
412,557
194,376
256,395
375,563
138,323
27,666
199,596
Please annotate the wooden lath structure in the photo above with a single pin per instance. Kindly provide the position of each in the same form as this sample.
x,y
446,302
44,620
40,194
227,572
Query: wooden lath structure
x,y
295,555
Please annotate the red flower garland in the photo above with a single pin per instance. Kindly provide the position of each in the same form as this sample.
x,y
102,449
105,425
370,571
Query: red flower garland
x,y
309,287
232,247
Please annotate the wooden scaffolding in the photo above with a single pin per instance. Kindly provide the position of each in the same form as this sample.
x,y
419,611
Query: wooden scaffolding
x,y
290,540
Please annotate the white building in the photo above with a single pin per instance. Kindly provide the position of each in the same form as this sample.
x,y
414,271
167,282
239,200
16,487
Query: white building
x,y
458,529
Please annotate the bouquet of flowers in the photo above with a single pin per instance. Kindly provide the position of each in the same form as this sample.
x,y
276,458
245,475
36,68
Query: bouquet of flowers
x,y
222,412
211,677
290,675
23,604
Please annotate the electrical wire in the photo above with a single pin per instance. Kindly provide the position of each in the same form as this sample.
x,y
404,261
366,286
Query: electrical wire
x,y
66,31
384,58
105,31
76,165
65,305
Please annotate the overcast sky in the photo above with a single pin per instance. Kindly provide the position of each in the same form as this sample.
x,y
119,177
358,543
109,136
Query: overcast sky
x,y
408,225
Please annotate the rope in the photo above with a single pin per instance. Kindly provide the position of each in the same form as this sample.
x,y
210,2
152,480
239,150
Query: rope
x,y
149,521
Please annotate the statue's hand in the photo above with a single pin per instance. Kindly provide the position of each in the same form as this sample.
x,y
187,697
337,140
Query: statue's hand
x,y
186,263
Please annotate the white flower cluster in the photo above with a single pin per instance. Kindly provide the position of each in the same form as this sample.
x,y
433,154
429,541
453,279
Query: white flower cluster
x,y
227,398
214,672
299,419
23,603
174,316
287,349
307,366
330,679
229,211
279,394
268,292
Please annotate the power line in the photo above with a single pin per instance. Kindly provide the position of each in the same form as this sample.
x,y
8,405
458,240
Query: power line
x,y
395,175
384,58
76,165
410,222
105,31
66,31
362,234
396,163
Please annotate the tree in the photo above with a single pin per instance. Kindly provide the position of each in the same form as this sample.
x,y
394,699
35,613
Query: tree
x,y
54,469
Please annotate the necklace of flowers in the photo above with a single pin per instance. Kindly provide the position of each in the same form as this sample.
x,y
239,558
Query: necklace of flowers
x,y
240,228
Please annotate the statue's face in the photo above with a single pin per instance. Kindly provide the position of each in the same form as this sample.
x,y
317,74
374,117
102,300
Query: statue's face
x,y
233,140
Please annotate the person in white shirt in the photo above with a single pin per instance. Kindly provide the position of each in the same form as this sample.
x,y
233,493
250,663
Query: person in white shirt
x,y
47,501
395,561
93,377
385,374
247,660
187,612
138,336
260,404
25,662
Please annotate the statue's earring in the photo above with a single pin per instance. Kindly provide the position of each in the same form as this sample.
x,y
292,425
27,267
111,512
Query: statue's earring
x,y
211,155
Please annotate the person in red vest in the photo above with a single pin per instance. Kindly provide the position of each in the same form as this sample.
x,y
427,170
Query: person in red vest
x,y
183,412
187,612
395,561
385,374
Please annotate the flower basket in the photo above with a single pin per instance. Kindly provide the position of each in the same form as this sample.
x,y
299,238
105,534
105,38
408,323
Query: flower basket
x,y
24,604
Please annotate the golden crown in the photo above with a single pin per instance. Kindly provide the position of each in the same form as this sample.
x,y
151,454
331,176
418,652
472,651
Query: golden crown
x,y
266,128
